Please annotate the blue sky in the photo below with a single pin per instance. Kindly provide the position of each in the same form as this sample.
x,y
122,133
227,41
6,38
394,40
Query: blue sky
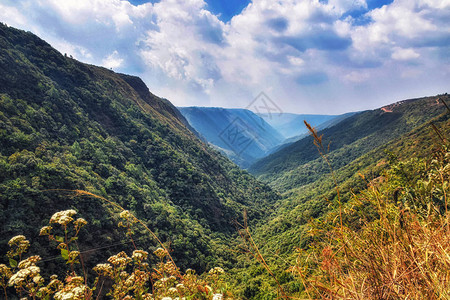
x,y
224,9
308,56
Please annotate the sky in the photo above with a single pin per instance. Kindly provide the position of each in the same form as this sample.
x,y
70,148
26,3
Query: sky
x,y
306,56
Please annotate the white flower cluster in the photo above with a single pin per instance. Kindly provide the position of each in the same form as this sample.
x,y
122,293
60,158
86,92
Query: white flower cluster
x,y
139,255
216,271
75,293
63,217
217,297
103,269
125,214
80,222
17,240
27,270
120,259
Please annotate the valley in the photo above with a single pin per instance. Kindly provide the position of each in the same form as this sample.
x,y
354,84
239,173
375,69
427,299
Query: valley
x,y
221,203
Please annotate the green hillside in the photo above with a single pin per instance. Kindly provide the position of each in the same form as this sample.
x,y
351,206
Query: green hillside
x,y
66,126
372,223
299,163
313,201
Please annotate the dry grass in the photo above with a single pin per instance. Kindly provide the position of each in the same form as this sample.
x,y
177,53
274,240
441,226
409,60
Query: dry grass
x,y
401,252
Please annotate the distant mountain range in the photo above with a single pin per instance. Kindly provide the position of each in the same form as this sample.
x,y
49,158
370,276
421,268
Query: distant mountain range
x,y
346,140
291,125
239,133
245,136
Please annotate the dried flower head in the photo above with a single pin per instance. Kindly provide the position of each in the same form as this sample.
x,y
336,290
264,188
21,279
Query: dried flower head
x,y
45,230
160,252
120,259
139,255
103,269
19,244
80,222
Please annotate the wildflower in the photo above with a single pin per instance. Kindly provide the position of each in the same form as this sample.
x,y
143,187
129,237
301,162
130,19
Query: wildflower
x,y
5,270
216,271
73,255
123,275
103,269
45,230
80,222
130,280
139,255
38,279
120,259
173,291
63,217
21,276
147,296
30,261
125,214
217,297
160,252
164,279
16,240
71,292
75,279
19,245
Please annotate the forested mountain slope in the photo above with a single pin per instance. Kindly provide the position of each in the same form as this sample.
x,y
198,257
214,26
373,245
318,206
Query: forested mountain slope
x,y
299,163
65,125
240,133
289,237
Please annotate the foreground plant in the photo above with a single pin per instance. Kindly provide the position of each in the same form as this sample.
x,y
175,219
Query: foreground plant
x,y
399,246
132,277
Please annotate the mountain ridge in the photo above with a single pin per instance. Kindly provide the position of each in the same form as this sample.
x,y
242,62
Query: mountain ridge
x,y
240,133
66,125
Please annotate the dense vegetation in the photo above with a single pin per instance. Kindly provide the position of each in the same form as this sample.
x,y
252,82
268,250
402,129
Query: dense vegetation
x,y
299,163
365,218
68,126
289,227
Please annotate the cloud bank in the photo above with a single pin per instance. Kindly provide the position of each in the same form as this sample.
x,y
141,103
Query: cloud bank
x,y
309,56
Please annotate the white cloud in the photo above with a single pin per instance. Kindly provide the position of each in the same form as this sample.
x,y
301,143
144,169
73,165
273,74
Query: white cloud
x,y
357,76
113,60
12,16
297,50
404,54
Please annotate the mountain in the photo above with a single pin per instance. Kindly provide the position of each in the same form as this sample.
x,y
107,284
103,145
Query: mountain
x,y
66,126
403,140
292,126
297,164
392,179
239,133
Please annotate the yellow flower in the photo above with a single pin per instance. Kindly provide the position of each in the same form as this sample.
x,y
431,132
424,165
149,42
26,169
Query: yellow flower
x,y
45,230
139,254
